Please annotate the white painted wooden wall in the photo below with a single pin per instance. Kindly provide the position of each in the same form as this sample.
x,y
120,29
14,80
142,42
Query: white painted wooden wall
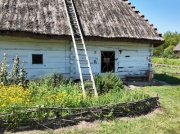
x,y
58,56
134,59
55,55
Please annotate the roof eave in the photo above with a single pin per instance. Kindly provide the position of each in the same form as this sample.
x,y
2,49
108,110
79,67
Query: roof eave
x,y
25,34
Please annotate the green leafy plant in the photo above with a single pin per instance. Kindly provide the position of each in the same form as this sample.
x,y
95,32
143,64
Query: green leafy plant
x,y
3,71
107,82
16,76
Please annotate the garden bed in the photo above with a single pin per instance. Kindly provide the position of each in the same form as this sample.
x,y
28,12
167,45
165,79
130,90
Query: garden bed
x,y
74,115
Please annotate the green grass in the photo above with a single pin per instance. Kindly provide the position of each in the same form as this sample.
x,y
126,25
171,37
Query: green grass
x,y
169,78
175,62
166,69
166,123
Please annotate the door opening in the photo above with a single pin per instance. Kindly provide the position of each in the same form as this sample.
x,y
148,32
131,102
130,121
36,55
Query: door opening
x,y
107,61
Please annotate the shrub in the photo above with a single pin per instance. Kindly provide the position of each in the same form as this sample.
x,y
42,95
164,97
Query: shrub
x,y
16,76
49,81
107,82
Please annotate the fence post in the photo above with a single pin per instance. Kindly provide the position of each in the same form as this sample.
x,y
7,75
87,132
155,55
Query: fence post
x,y
81,108
60,114
157,100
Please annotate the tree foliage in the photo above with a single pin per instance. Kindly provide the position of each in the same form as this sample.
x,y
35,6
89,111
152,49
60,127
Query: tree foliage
x,y
166,50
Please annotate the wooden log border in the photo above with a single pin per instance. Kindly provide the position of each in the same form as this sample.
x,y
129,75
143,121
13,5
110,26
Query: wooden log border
x,y
128,109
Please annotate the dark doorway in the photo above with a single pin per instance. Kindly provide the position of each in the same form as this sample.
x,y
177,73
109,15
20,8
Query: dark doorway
x,y
107,61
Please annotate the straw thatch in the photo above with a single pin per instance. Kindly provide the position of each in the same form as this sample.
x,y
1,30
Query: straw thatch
x,y
37,16
98,18
177,48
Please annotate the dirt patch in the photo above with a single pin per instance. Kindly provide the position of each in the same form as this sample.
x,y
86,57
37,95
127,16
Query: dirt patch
x,y
83,125
155,112
137,84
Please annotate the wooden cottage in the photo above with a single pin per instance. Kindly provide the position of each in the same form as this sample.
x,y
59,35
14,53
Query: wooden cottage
x,y
177,49
118,38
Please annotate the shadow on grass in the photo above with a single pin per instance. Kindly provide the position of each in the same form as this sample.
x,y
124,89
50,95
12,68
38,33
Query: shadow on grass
x,y
167,78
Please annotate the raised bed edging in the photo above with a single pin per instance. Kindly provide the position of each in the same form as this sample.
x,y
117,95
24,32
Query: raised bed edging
x,y
128,109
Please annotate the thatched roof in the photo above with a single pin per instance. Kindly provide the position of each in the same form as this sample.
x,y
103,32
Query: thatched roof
x,y
177,48
108,19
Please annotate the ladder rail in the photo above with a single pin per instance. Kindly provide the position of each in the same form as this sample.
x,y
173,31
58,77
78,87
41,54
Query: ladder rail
x,y
87,57
75,48
84,47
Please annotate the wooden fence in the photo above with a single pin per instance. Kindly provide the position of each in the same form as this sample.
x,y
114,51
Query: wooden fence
x,y
75,115
164,65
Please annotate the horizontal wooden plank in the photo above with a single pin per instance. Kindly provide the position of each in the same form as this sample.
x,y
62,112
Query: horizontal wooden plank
x,y
32,45
21,53
55,54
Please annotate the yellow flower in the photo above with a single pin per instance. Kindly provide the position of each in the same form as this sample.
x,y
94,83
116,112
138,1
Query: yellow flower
x,y
3,105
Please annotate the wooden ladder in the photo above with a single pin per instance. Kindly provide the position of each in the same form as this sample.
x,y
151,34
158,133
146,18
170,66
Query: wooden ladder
x,y
82,58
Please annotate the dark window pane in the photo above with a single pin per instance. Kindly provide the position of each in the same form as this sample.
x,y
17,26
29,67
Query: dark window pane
x,y
37,59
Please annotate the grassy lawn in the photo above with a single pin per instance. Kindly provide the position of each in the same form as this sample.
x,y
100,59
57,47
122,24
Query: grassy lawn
x,y
165,120
167,74
175,62
168,122
167,69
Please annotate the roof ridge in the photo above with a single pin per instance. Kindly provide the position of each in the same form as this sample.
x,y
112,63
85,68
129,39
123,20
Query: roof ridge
x,y
142,16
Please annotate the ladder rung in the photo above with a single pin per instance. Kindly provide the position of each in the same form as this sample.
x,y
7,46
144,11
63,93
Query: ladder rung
x,y
73,20
76,35
88,81
86,75
74,24
72,16
90,89
82,60
84,67
75,32
79,45
82,54
71,11
81,49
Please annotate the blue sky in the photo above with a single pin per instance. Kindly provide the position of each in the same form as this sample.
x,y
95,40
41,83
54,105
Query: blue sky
x,y
164,14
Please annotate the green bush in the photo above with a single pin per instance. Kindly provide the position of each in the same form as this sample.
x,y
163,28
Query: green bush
x,y
107,82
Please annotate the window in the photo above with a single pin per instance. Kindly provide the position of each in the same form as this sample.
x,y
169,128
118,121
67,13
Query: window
x,y
37,58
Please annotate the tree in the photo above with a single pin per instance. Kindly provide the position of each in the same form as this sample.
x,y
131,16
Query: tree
x,y
166,49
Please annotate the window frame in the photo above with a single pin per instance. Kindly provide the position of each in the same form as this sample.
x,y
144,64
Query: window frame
x,y
38,66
